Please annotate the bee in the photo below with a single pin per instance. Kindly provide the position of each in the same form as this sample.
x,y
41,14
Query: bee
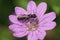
x,y
27,16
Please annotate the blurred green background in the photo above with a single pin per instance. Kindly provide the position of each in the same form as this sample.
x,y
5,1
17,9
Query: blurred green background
x,y
7,8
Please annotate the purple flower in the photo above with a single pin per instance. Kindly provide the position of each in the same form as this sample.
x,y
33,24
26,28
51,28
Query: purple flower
x,y
32,27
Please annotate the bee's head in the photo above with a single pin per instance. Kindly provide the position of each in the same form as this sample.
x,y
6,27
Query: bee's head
x,y
32,16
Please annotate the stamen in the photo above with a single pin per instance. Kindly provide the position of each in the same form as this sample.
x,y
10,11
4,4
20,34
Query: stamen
x,y
32,25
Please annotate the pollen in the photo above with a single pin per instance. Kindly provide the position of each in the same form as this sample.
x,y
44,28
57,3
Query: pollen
x,y
32,25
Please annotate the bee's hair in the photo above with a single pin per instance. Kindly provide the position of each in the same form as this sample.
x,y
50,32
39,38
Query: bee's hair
x,y
27,16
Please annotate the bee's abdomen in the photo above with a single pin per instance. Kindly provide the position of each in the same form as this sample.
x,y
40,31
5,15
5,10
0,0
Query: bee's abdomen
x,y
22,18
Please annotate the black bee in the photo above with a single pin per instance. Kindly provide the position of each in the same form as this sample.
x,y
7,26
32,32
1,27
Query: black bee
x,y
27,16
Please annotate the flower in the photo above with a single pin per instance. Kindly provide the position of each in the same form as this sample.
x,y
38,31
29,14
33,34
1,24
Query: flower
x,y
33,28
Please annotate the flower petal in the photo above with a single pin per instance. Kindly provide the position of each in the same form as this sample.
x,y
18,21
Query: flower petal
x,y
48,26
31,7
32,36
41,9
17,28
41,34
48,17
13,19
20,34
19,10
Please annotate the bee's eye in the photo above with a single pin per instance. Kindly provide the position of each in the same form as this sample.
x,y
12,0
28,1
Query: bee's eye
x,y
32,15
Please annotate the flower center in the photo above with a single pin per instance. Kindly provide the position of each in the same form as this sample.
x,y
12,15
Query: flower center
x,y
30,21
32,24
